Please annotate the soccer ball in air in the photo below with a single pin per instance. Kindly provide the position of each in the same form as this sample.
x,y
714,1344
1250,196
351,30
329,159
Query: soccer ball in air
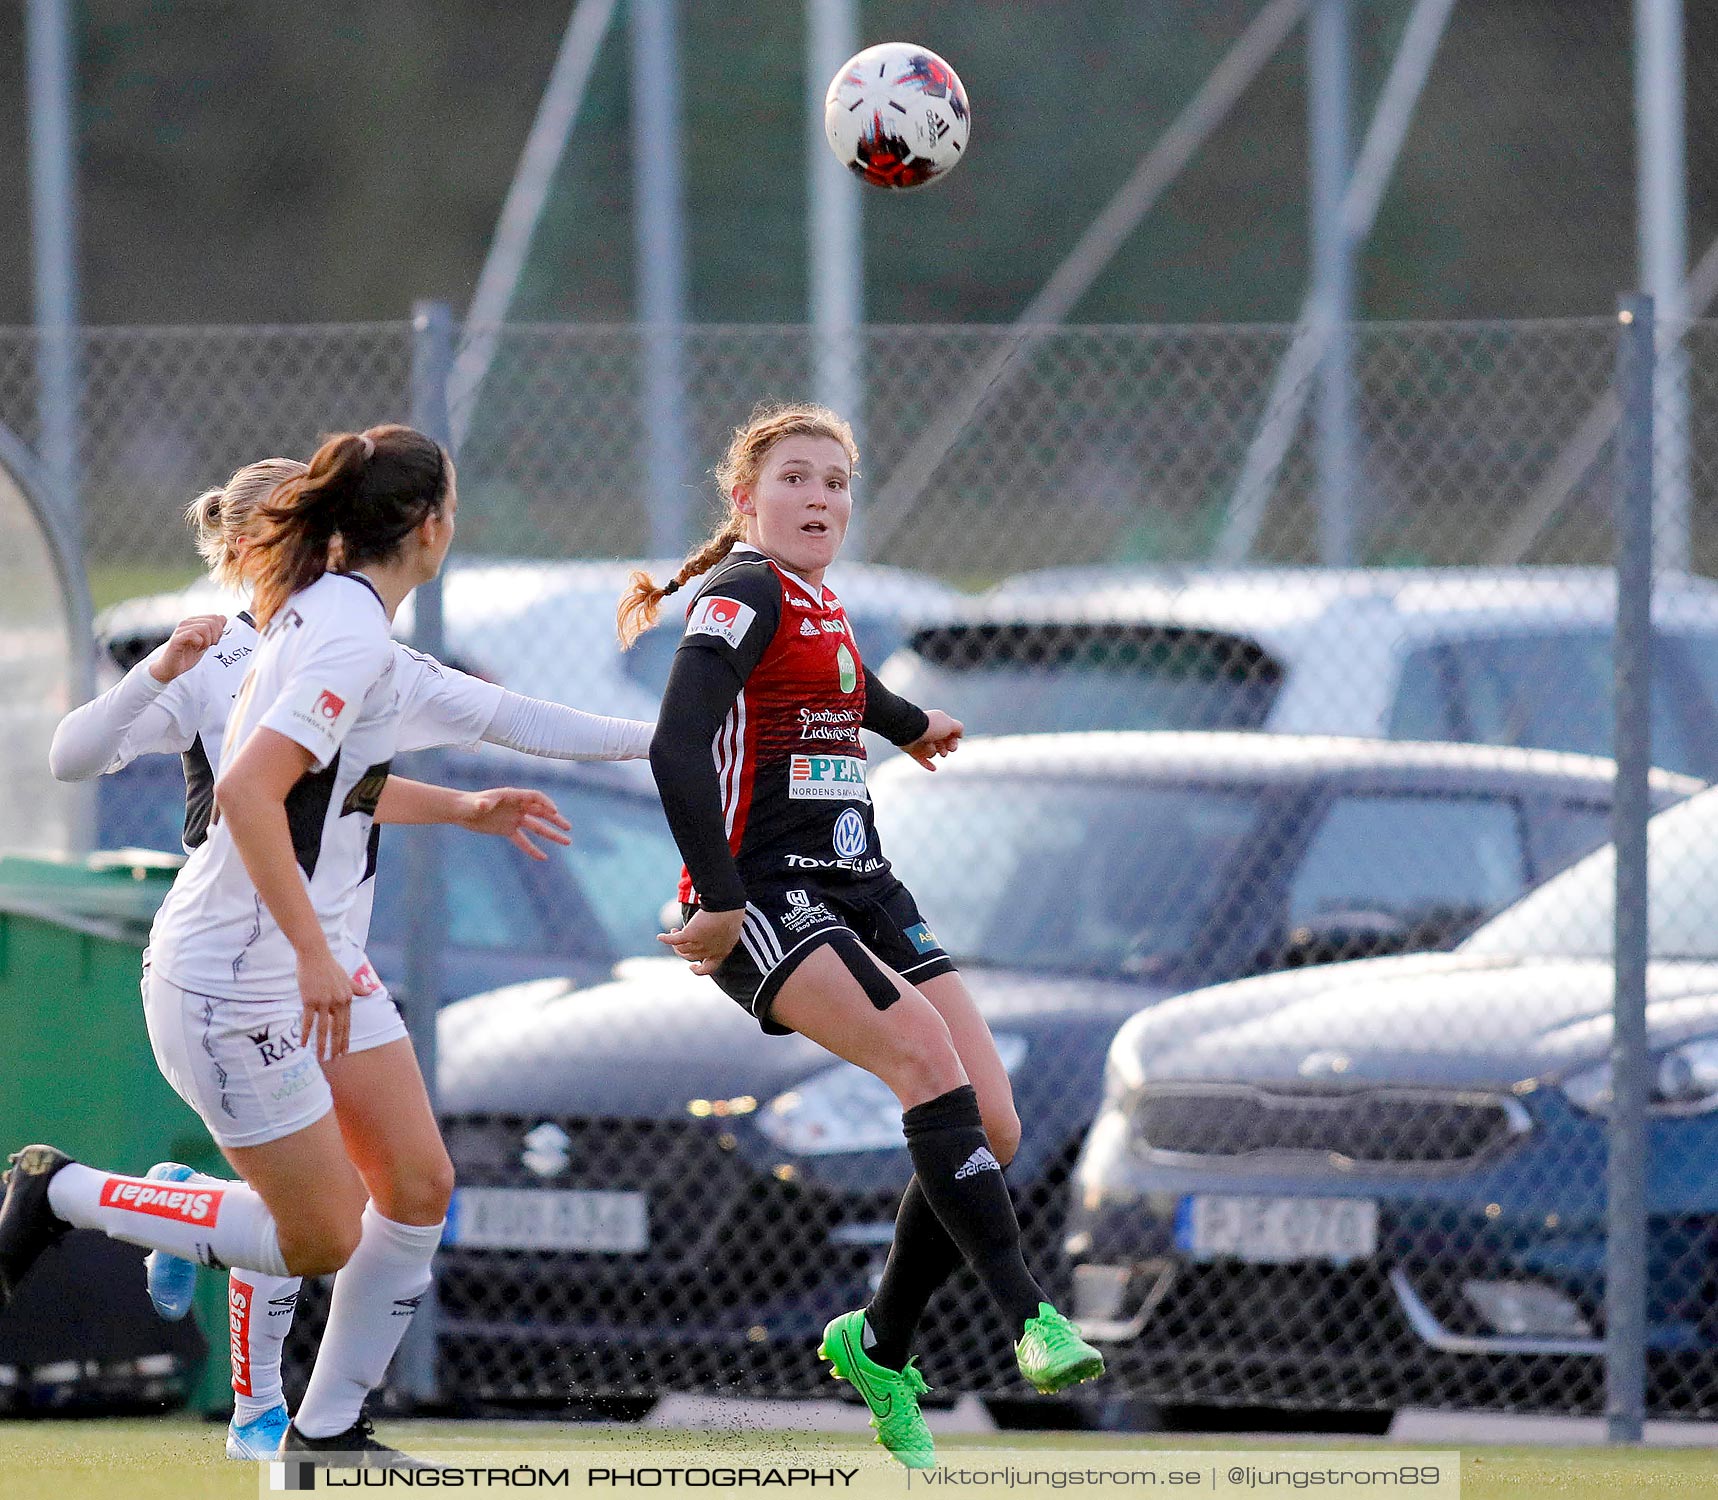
x,y
896,116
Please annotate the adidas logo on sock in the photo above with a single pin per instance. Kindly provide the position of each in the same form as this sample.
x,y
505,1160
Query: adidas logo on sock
x,y
980,1161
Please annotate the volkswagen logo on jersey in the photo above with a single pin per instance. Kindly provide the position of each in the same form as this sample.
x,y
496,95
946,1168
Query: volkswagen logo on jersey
x,y
850,839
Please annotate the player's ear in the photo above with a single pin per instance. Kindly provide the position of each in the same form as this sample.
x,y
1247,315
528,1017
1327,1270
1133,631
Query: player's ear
x,y
743,501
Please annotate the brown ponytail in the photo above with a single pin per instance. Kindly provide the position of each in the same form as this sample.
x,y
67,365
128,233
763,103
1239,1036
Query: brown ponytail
x,y
641,604
362,495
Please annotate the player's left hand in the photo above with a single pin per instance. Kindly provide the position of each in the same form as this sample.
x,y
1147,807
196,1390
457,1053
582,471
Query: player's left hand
x,y
707,939
516,814
941,737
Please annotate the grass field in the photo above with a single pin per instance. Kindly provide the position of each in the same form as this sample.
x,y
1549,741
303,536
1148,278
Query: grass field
x,y
180,1459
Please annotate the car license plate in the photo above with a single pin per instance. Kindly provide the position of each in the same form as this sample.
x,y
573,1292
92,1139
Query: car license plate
x,y
1276,1231
549,1219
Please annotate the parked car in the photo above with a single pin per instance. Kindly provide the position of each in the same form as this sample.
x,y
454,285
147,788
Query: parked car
x,y
1383,1183
509,918
653,1196
1516,656
547,628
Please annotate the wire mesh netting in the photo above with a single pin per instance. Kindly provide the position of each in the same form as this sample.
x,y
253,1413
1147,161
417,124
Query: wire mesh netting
x,y
1281,877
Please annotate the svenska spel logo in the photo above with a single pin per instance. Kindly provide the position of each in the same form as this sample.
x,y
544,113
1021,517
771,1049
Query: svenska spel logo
x,y
727,619
328,706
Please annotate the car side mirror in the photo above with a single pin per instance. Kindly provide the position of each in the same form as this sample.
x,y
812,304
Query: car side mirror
x,y
1331,936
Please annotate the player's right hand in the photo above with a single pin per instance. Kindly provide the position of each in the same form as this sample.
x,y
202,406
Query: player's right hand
x,y
326,989
707,939
191,637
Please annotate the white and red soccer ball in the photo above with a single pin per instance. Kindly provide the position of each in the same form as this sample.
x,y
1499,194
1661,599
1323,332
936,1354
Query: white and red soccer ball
x,y
896,116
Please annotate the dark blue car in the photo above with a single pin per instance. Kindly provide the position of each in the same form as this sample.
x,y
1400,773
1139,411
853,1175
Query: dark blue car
x,y
1370,1185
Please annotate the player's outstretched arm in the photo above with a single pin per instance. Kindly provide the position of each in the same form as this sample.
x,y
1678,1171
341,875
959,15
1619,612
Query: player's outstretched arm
x,y
137,715
539,727
516,814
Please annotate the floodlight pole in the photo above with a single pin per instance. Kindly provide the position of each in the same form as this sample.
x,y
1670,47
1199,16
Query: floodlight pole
x,y
835,252
1329,61
1662,228
526,198
53,222
1293,384
659,231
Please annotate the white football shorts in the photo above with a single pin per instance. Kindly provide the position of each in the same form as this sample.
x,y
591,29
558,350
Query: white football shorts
x,y
240,1063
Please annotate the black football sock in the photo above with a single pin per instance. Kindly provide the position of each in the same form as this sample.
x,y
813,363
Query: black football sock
x,y
963,1183
921,1259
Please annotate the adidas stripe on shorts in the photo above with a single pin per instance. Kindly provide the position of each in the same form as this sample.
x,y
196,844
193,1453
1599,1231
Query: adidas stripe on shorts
x,y
789,918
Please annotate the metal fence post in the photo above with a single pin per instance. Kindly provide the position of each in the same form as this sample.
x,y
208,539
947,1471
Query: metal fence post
x,y
426,895
1625,1269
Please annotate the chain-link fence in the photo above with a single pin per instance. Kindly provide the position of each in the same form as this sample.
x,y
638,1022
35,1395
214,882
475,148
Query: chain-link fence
x,y
1370,801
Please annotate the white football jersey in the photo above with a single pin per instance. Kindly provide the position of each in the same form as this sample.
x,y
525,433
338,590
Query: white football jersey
x,y
323,676
439,707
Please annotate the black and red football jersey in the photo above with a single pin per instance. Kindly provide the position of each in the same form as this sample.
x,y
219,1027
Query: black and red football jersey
x,y
789,756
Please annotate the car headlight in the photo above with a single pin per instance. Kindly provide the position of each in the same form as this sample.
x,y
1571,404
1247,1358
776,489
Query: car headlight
x,y
1684,1082
844,1108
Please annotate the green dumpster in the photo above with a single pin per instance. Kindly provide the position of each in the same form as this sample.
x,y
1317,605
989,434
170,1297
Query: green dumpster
x,y
76,1067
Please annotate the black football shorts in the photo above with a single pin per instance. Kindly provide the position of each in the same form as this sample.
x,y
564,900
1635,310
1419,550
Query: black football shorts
x,y
788,919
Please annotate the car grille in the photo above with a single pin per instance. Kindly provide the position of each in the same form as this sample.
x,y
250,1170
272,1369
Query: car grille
x,y
1387,1127
722,1234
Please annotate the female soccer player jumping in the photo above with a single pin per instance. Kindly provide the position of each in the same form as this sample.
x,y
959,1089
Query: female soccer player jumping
x,y
178,700
792,908
262,1010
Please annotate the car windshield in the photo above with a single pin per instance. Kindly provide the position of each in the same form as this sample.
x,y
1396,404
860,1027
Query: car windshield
x,y
1574,914
1070,876
1038,679
624,860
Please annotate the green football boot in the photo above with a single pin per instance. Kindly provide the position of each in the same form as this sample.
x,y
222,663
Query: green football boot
x,y
1053,1356
892,1395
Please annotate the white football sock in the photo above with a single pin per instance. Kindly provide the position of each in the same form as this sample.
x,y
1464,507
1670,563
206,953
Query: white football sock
x,y
375,1295
225,1224
259,1315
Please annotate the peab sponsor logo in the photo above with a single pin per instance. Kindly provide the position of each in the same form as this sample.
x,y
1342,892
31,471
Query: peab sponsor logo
x,y
726,619
187,1205
832,778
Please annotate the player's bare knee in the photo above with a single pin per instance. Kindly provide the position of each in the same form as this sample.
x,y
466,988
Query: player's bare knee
x,y
319,1249
417,1194
924,1063
1002,1126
